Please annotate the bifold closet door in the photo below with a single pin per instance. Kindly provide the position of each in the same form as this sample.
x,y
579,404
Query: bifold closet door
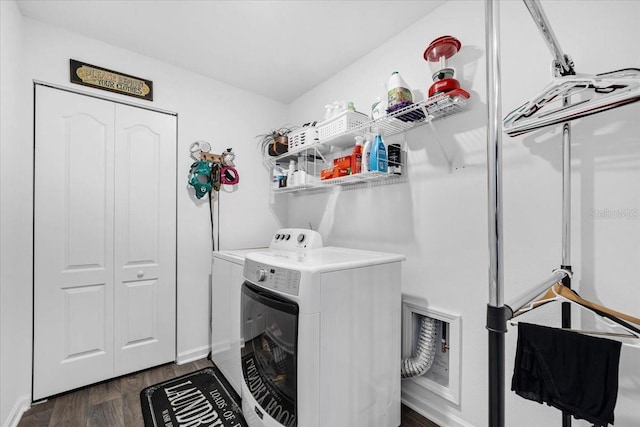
x,y
145,239
104,240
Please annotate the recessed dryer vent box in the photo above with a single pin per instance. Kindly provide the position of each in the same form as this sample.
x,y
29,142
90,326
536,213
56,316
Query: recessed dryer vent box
x,y
443,378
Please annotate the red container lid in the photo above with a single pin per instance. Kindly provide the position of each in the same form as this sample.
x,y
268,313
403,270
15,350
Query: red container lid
x,y
446,46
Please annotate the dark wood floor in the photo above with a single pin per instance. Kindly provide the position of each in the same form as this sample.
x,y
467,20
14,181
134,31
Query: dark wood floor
x,y
116,403
411,418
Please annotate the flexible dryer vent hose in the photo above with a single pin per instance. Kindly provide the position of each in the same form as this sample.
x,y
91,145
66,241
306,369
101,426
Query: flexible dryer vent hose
x,y
421,361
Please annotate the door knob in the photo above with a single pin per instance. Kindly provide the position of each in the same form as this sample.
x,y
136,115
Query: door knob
x,y
140,274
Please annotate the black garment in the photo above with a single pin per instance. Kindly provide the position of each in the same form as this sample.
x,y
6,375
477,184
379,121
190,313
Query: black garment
x,y
573,372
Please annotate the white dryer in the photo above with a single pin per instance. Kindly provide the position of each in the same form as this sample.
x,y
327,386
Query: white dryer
x,y
321,332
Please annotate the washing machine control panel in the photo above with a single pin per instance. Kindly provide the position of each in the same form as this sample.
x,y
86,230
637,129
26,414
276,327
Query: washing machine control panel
x,y
279,279
296,239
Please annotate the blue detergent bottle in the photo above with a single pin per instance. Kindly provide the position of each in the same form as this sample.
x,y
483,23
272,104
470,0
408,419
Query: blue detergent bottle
x,y
378,157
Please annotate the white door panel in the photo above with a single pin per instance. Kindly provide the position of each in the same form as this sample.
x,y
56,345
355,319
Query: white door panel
x,y
145,243
84,322
140,316
73,242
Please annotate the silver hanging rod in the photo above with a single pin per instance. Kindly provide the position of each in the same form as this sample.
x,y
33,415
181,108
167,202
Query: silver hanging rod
x,y
494,152
547,32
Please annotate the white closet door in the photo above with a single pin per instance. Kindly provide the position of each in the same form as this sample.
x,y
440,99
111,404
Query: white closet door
x,y
73,241
145,239
104,240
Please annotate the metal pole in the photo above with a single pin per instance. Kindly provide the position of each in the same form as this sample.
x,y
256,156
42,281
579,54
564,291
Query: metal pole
x,y
566,190
496,312
494,155
541,21
566,228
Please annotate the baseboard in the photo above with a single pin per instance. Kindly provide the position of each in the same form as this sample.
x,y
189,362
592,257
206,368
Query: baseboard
x,y
434,413
20,407
193,354
220,347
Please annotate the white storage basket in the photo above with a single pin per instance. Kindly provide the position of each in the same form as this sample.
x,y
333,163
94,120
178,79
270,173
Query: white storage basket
x,y
303,138
335,128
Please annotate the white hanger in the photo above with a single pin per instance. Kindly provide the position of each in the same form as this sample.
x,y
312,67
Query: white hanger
x,y
594,94
559,292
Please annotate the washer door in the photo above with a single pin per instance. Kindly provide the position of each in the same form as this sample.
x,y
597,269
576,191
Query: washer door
x,y
269,355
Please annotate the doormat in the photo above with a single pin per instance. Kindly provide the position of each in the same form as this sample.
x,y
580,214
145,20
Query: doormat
x,y
201,398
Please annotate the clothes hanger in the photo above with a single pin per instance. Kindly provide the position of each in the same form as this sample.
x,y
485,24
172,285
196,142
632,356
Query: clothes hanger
x,y
559,292
595,94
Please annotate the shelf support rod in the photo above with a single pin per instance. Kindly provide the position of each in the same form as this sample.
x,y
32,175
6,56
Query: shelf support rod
x,y
429,119
444,152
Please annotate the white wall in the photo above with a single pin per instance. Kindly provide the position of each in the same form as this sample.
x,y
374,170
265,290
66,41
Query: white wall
x,y
15,222
439,220
207,110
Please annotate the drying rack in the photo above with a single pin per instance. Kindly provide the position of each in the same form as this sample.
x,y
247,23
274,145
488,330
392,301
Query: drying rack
x,y
498,313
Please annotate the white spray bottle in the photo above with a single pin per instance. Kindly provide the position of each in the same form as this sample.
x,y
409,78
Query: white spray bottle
x,y
366,154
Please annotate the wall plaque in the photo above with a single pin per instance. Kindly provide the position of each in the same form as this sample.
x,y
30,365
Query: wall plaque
x,y
101,78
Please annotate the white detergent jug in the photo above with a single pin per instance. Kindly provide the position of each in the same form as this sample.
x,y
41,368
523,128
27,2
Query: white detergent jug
x,y
398,92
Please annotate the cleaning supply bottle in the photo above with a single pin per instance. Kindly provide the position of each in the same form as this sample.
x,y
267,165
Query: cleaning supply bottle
x,y
379,106
356,156
378,157
366,155
394,155
328,111
278,176
290,173
398,93
375,109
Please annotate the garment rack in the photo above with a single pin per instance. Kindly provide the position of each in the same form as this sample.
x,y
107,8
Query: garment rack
x,y
497,312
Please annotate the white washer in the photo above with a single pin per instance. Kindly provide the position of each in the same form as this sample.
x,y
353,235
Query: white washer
x,y
322,335
226,338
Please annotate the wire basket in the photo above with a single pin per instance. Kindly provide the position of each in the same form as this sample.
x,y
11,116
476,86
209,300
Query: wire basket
x,y
339,128
303,138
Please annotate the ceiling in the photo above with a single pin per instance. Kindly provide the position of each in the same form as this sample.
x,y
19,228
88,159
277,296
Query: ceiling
x,y
278,49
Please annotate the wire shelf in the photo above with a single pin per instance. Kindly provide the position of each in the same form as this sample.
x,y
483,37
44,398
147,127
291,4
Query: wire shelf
x,y
413,115
399,121
422,112
355,178
294,188
365,178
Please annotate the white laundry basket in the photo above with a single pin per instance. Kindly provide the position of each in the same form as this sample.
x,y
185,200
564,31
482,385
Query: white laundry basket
x,y
336,128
